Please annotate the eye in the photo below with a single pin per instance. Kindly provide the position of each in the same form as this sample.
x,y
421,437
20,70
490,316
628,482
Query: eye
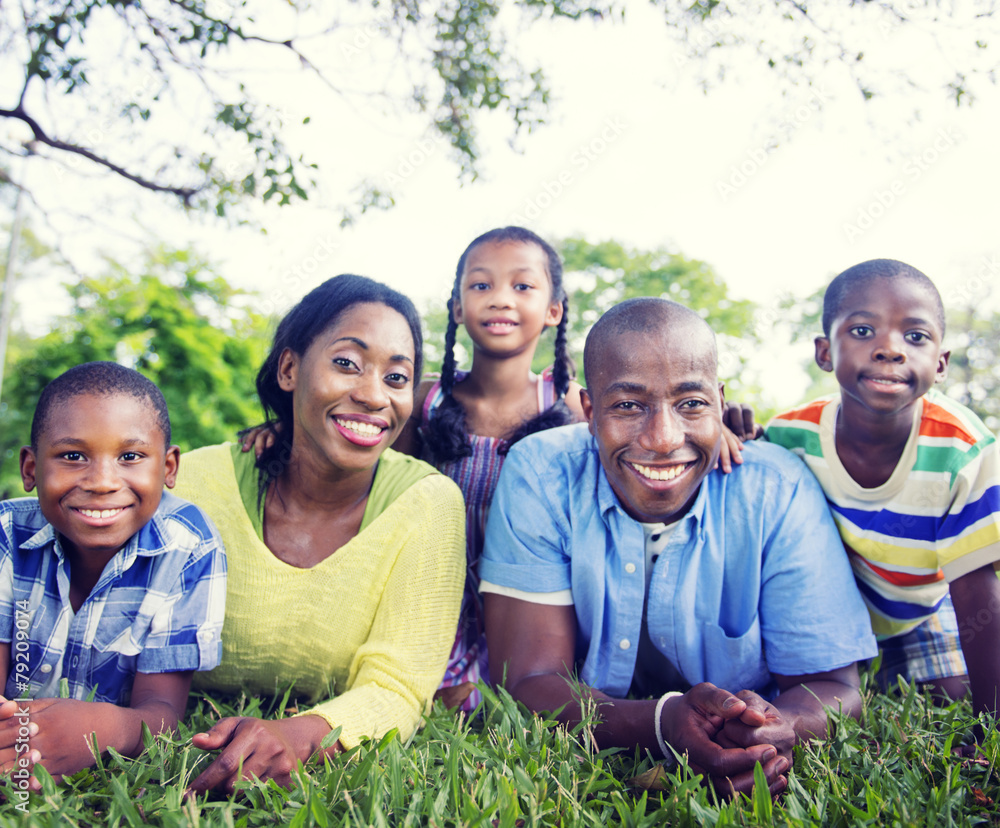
x,y
693,405
523,287
917,337
71,456
627,406
861,331
344,362
131,456
397,380
478,286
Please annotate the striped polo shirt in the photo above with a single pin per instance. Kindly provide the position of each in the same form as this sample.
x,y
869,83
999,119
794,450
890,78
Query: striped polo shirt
x,y
935,519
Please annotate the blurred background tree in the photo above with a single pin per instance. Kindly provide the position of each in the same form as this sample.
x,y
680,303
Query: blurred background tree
x,y
184,328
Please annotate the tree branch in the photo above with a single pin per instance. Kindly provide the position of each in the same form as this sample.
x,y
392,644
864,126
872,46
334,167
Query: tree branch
x,y
185,193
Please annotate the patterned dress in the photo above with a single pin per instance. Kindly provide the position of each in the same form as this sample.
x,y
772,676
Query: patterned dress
x,y
477,476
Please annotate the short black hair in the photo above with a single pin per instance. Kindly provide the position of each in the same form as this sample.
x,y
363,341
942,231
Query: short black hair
x,y
861,275
102,379
643,314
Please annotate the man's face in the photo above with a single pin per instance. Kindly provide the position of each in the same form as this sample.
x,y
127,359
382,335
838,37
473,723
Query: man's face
x,y
655,408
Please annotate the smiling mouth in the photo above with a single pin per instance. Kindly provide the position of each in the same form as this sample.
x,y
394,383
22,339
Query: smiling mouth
x,y
101,514
360,428
661,473
888,382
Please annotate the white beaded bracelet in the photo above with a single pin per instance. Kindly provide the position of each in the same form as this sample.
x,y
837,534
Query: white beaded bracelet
x,y
664,749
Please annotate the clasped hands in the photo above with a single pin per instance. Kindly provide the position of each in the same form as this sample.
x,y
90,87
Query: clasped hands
x,y
724,735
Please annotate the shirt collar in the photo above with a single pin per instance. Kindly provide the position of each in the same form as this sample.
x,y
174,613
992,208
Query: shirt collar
x,y
153,535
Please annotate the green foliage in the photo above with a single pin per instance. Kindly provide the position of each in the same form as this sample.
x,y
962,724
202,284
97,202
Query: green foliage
x,y
604,274
974,368
509,768
454,49
176,322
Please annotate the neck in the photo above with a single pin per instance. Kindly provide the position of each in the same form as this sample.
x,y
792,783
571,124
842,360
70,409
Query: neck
x,y
499,378
308,485
861,427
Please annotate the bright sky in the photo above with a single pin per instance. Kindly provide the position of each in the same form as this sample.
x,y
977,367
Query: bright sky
x,y
777,192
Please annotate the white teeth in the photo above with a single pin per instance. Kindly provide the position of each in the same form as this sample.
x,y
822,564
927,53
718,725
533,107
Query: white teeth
x,y
364,429
886,381
669,473
99,513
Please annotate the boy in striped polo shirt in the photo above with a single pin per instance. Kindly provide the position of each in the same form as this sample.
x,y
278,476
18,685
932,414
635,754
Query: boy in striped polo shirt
x,y
912,479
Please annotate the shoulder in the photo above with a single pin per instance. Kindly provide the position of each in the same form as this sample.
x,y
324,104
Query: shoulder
x,y
210,455
20,519
946,420
565,447
182,527
400,473
426,388
769,474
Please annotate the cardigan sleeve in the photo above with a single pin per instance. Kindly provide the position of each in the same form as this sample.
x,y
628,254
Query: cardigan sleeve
x,y
394,674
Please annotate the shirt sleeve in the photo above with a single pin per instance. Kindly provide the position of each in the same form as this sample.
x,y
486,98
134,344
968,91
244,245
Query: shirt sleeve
x,y
185,632
394,674
526,543
971,530
6,580
811,613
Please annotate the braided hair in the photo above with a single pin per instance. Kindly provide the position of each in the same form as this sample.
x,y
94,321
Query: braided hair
x,y
447,434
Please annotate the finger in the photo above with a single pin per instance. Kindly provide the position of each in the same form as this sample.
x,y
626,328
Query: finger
x,y
218,735
714,701
747,422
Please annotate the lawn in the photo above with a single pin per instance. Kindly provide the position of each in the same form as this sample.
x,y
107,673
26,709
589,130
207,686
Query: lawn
x,y
505,768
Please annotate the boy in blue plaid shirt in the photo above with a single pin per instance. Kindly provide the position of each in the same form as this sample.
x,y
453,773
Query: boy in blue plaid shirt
x,y
106,580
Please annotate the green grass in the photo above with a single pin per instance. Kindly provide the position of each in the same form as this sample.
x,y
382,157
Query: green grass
x,y
507,768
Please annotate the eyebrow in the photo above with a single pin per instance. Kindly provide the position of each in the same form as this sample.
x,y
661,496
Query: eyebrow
x,y
364,346
485,269
623,386
76,441
909,320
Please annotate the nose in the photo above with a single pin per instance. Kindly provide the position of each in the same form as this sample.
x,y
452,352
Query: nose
x,y
889,348
102,476
663,433
370,391
502,298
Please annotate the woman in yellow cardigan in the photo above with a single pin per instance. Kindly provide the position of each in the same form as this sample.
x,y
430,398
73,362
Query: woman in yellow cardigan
x,y
346,558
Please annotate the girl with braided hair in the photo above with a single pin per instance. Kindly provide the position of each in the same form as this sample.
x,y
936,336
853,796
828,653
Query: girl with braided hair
x,y
508,289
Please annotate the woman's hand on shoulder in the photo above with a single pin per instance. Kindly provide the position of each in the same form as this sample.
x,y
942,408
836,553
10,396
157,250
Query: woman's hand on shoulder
x,y
259,438
257,749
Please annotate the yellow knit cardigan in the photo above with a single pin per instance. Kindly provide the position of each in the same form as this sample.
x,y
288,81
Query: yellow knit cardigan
x,y
369,628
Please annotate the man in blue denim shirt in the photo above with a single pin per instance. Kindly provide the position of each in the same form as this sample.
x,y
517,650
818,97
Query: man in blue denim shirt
x,y
613,548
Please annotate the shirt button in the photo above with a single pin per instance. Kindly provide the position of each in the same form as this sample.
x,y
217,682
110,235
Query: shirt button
x,y
624,643
630,568
75,661
46,668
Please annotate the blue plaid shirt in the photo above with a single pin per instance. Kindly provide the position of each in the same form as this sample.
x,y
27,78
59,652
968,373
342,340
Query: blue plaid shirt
x,y
157,608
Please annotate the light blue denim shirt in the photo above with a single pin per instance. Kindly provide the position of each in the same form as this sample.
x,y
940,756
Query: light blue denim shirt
x,y
753,582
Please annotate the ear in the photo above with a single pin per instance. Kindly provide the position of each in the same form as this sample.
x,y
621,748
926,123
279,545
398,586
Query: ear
x,y
28,467
942,366
288,369
587,405
554,315
722,396
823,359
173,461
456,311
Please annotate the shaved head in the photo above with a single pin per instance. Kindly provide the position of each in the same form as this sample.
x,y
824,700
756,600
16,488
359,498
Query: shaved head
x,y
647,315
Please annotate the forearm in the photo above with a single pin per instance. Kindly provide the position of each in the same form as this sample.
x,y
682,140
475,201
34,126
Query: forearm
x,y
804,706
121,727
619,722
976,598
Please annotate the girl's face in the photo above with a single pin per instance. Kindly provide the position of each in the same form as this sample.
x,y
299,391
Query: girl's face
x,y
505,298
352,390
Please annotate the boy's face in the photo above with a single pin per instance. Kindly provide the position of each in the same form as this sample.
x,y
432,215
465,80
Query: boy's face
x,y
100,467
885,346
655,408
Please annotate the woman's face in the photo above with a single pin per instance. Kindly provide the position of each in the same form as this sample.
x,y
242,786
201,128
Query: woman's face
x,y
352,390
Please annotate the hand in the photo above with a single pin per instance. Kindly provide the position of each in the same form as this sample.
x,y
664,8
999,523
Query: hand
x,y
730,451
738,418
761,723
691,724
58,736
259,438
256,749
